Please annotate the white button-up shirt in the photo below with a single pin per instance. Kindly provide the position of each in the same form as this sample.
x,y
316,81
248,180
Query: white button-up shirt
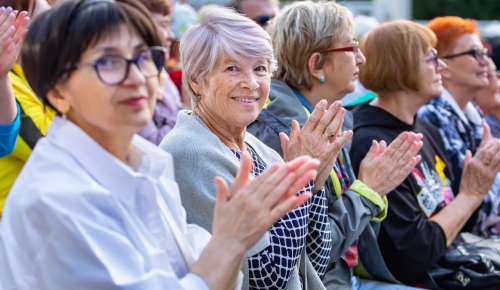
x,y
78,218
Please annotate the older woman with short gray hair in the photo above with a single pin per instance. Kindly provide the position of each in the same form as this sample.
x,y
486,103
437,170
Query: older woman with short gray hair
x,y
228,61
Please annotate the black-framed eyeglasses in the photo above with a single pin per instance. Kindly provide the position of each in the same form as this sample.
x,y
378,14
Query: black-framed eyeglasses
x,y
477,53
114,69
433,57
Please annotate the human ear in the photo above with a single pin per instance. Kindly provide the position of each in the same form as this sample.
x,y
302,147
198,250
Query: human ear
x,y
313,66
57,99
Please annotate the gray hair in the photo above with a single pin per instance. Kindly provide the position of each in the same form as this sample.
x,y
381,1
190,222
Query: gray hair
x,y
222,32
302,29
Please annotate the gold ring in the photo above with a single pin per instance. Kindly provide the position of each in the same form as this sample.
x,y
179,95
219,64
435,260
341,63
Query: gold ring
x,y
328,136
486,163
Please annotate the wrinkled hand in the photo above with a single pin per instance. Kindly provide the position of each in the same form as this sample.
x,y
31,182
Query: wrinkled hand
x,y
251,208
480,171
384,168
13,28
318,139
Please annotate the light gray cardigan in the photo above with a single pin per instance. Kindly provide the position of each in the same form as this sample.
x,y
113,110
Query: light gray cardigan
x,y
199,156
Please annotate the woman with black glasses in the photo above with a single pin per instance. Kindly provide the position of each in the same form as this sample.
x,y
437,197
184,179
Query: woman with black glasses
x,y
459,119
425,214
96,206
318,63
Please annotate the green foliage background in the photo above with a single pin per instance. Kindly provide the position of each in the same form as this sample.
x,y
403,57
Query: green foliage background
x,y
428,9
476,9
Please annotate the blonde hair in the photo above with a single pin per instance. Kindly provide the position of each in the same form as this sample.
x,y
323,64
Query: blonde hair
x,y
302,29
394,55
222,32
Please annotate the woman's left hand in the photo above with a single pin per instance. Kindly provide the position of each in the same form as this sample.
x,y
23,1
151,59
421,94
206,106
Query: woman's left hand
x,y
318,139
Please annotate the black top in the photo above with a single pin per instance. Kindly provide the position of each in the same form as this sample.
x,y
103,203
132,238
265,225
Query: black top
x,y
409,243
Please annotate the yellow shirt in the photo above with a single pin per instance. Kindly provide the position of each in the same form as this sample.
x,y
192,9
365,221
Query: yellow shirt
x,y
35,122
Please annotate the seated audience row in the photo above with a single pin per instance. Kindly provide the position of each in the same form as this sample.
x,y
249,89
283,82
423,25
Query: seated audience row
x,y
268,182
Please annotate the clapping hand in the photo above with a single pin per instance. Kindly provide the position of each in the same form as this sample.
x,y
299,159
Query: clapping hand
x,y
13,28
480,171
244,213
384,168
319,138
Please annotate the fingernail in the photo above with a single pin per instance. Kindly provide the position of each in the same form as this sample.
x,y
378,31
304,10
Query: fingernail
x,y
11,15
2,9
9,9
337,105
323,103
11,28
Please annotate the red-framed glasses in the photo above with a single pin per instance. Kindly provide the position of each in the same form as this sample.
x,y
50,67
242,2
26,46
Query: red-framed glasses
x,y
353,48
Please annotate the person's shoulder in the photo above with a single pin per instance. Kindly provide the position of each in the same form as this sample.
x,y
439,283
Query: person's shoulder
x,y
188,134
269,154
427,127
436,109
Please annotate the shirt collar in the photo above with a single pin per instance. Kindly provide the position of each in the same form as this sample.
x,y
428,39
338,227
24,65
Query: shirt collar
x,y
469,114
454,105
106,169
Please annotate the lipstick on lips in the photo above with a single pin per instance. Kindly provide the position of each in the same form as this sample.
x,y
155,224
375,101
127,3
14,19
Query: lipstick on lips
x,y
135,101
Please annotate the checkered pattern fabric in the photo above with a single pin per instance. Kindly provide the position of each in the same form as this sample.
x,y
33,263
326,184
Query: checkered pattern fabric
x,y
307,224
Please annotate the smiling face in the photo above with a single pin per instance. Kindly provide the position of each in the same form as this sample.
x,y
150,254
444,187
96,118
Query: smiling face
x,y
466,71
342,70
488,99
98,107
235,92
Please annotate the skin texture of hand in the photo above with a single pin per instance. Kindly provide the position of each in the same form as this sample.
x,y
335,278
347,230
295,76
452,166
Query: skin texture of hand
x,y
12,32
384,168
480,171
13,28
319,138
245,213
478,176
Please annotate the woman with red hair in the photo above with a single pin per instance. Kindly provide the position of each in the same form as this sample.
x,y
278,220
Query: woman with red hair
x,y
459,119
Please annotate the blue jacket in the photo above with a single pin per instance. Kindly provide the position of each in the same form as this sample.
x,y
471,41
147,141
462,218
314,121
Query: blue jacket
x,y
8,135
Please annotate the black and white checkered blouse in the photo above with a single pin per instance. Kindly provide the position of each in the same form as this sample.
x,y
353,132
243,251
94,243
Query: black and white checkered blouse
x,y
307,224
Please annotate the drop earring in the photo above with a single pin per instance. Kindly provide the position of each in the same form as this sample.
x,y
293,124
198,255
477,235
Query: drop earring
x,y
322,79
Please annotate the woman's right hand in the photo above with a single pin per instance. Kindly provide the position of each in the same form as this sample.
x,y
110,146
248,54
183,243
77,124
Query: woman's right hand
x,y
13,28
384,168
249,209
480,171
319,138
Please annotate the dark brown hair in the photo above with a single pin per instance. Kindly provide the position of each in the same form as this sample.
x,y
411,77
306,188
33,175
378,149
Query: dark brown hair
x,y
58,37
162,7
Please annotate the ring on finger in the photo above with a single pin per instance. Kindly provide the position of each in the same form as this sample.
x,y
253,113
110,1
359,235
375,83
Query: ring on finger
x,y
486,163
328,136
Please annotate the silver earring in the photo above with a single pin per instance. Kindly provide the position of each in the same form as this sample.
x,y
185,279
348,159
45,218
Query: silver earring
x,y
64,116
322,79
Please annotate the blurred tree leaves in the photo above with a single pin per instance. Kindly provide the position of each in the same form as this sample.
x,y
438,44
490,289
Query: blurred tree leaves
x,y
476,9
